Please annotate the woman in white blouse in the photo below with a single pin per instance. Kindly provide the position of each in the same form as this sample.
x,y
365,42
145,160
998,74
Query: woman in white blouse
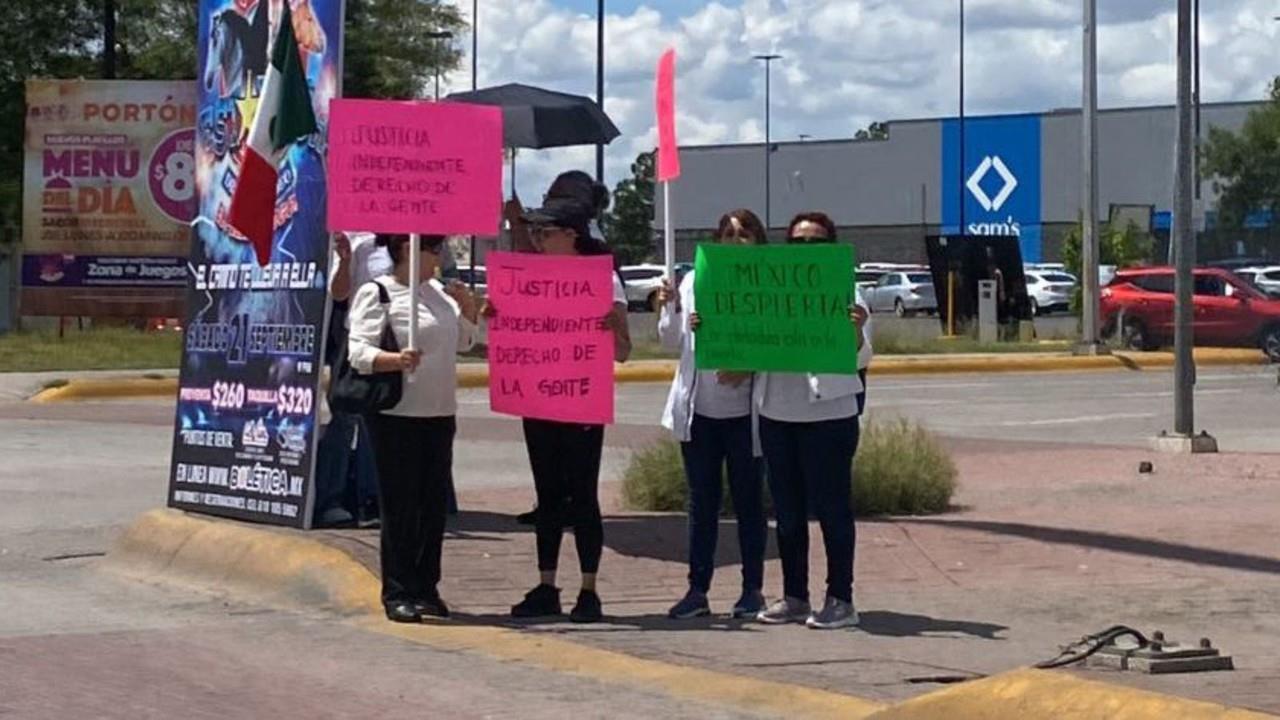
x,y
709,412
413,440
809,433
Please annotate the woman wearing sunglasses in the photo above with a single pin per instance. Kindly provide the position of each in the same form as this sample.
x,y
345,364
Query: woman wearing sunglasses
x,y
709,412
565,457
413,441
809,435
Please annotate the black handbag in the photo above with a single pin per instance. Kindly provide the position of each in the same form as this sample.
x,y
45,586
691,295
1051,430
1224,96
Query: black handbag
x,y
356,393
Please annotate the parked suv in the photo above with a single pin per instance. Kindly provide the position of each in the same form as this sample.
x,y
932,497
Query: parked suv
x,y
1228,312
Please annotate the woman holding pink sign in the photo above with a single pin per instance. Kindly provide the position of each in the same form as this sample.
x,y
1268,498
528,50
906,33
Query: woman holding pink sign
x,y
413,440
709,412
565,457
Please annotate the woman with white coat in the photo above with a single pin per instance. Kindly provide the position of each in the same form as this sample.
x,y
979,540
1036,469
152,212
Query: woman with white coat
x,y
709,412
809,427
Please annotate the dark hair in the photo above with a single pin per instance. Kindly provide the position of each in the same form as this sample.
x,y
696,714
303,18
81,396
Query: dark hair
x,y
749,222
395,243
579,186
817,218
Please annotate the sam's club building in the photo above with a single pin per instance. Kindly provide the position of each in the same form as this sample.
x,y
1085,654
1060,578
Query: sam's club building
x,y
1020,176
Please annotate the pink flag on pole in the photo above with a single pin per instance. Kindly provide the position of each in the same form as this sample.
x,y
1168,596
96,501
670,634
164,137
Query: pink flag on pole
x,y
668,150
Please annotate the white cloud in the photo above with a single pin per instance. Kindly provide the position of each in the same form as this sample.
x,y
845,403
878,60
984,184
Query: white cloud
x,y
848,62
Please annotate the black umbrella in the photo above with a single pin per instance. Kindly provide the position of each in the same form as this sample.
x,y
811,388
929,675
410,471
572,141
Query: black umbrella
x,y
536,118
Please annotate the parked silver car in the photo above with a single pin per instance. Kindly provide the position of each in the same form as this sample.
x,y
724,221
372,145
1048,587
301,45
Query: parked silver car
x,y
903,293
1050,291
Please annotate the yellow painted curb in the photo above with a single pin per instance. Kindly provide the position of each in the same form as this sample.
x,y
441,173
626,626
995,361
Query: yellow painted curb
x,y
1058,695
476,375
108,388
236,556
267,563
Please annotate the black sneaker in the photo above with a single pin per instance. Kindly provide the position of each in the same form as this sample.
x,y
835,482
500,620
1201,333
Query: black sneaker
x,y
588,609
432,607
542,601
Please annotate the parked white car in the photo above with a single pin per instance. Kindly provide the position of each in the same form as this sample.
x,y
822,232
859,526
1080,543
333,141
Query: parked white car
x,y
1050,291
642,283
902,293
1266,279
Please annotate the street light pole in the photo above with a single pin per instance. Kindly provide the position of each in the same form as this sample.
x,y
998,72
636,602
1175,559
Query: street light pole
x,y
438,36
1184,239
961,168
109,39
600,83
768,151
1089,341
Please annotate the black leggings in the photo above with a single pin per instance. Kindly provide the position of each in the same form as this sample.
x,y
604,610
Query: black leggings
x,y
565,458
415,463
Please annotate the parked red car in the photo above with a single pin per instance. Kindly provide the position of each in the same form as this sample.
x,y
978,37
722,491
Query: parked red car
x,y
1228,312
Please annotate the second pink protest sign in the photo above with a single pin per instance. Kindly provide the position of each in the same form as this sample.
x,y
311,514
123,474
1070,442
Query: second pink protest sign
x,y
414,167
550,354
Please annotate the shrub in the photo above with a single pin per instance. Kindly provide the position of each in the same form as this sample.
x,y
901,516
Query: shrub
x,y
901,469
654,479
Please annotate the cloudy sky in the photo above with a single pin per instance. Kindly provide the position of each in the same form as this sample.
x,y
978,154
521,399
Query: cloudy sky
x,y
849,62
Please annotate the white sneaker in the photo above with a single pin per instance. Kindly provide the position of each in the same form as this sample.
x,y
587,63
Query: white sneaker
x,y
835,614
786,610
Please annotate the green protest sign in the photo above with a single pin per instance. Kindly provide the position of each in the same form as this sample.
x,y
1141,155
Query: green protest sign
x,y
782,308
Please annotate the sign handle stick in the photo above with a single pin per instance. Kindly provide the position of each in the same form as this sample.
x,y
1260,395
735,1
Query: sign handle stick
x,y
669,245
414,261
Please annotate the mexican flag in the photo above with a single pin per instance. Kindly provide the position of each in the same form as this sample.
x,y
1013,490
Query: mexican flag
x,y
284,116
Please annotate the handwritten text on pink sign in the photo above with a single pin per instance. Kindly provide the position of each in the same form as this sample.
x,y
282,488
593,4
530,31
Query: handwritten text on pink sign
x,y
550,354
414,167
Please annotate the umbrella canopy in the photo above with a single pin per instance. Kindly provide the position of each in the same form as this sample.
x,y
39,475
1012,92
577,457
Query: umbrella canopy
x,y
537,118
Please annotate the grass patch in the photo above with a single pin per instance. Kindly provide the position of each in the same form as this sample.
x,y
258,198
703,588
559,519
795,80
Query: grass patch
x,y
94,349
901,469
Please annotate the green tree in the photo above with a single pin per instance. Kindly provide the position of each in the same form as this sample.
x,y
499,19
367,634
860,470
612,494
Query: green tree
x,y
629,223
1119,246
39,38
389,52
156,39
1246,165
875,131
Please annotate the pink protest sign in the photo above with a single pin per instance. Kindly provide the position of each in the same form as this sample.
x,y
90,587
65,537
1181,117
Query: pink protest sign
x,y
550,355
414,167
665,101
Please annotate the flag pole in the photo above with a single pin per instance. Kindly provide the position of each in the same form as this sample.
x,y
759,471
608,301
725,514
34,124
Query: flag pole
x,y
669,245
414,262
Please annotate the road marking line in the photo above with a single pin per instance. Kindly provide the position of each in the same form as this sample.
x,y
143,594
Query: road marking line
x,y
1079,419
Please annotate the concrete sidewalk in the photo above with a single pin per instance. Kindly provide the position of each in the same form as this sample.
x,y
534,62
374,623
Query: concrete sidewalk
x,y
1049,542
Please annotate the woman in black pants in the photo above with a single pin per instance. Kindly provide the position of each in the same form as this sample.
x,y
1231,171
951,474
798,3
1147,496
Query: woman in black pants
x,y
413,441
565,457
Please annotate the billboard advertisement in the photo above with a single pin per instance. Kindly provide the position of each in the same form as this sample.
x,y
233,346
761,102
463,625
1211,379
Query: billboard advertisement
x,y
108,183
246,423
